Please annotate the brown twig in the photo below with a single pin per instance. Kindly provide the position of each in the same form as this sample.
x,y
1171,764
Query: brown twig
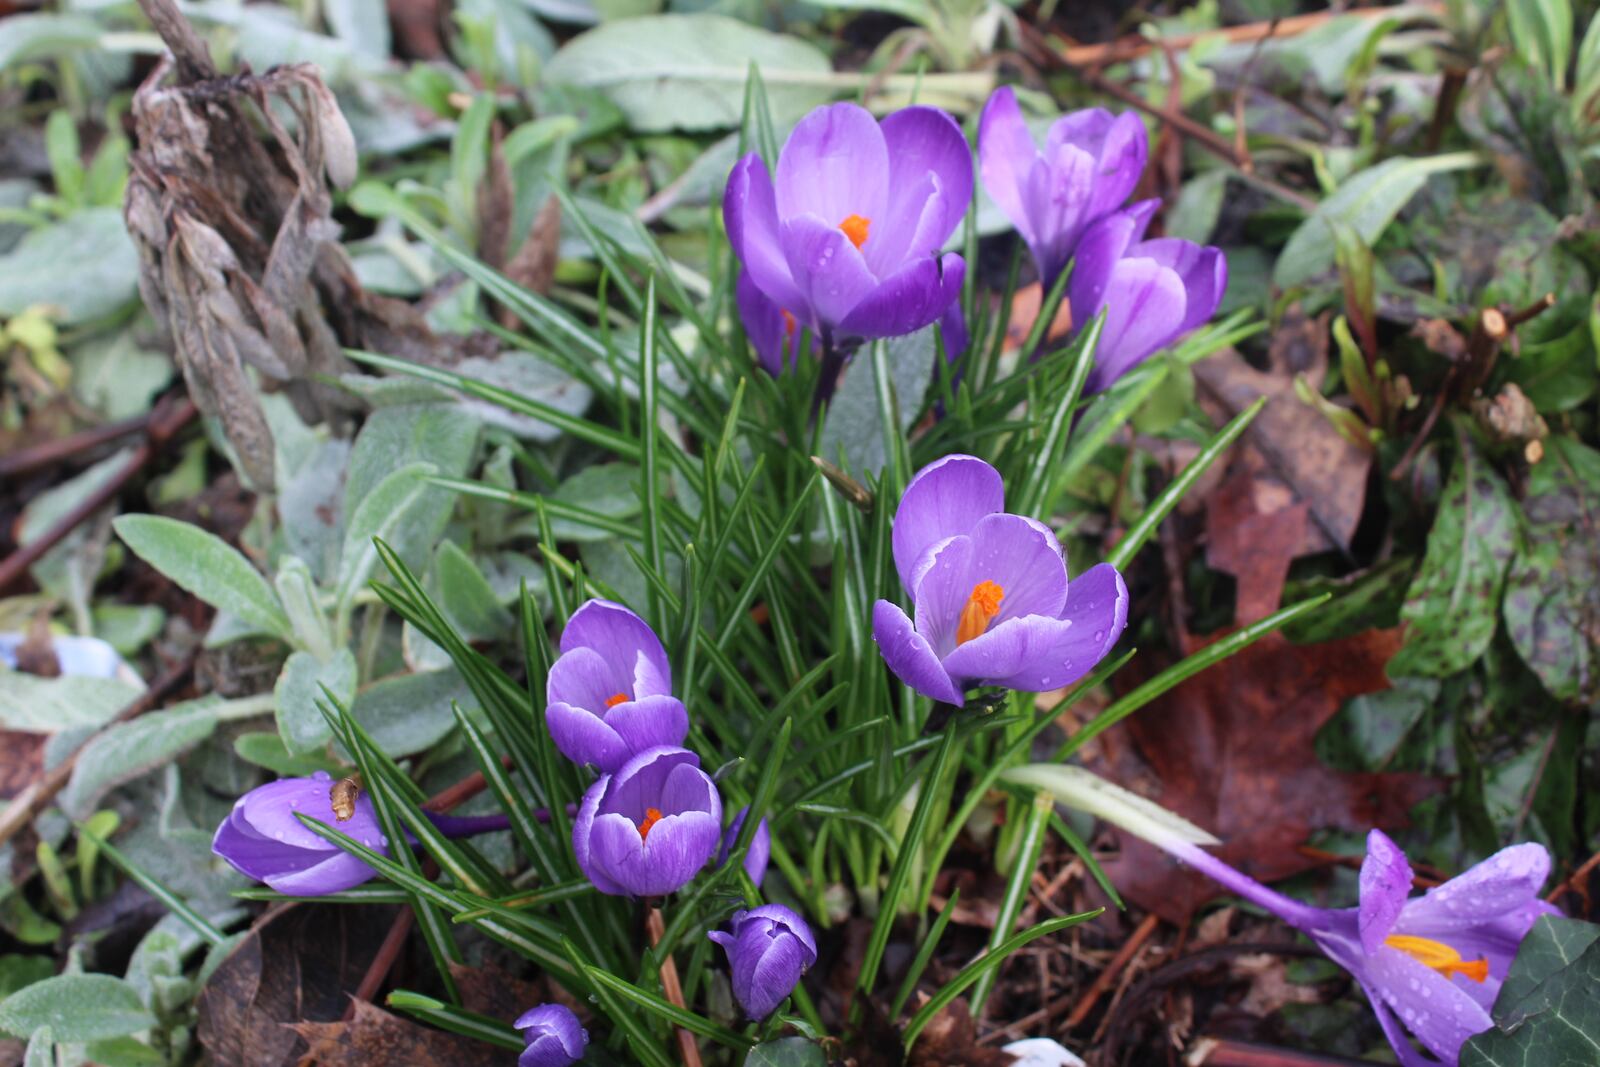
x,y
1219,1052
1134,45
32,800
62,449
1400,468
1575,881
1108,977
671,988
165,423
383,961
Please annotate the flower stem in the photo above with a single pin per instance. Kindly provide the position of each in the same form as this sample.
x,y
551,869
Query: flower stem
x,y
832,363
656,928
1296,914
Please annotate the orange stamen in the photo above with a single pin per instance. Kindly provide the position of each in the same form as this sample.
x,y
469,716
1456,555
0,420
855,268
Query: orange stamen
x,y
855,227
1439,957
982,606
789,325
615,699
651,817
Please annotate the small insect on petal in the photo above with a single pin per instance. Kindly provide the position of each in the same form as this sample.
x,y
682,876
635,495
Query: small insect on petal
x,y
343,797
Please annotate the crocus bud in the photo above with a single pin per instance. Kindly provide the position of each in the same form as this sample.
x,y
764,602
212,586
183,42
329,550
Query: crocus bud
x,y
555,1037
610,692
755,860
261,838
646,830
1091,161
768,948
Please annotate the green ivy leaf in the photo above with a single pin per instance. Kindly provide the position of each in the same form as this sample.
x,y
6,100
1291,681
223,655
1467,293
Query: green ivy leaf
x,y
1552,605
1454,601
1547,1014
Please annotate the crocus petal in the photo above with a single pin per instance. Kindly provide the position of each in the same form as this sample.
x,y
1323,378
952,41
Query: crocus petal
x,y
942,588
1203,271
1144,308
1102,247
1442,1018
945,499
907,300
792,923
1505,882
618,635
1033,654
1385,885
925,140
750,212
1057,194
834,165
1408,1056
1023,557
827,267
759,853
954,333
909,228
688,788
585,679
909,655
584,737
1006,153
773,977
649,722
259,857
679,846
1120,146
582,835
332,875
764,325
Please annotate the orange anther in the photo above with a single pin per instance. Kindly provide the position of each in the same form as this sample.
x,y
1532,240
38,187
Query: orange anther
x,y
982,606
855,227
651,817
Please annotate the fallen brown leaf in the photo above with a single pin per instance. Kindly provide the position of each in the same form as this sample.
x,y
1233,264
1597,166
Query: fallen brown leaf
x,y
373,1036
1233,749
1292,456
299,965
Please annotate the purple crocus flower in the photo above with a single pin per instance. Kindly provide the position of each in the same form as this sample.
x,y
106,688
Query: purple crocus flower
x,y
1431,965
1090,164
847,238
768,948
990,592
610,691
1153,291
755,860
648,828
262,839
554,1035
